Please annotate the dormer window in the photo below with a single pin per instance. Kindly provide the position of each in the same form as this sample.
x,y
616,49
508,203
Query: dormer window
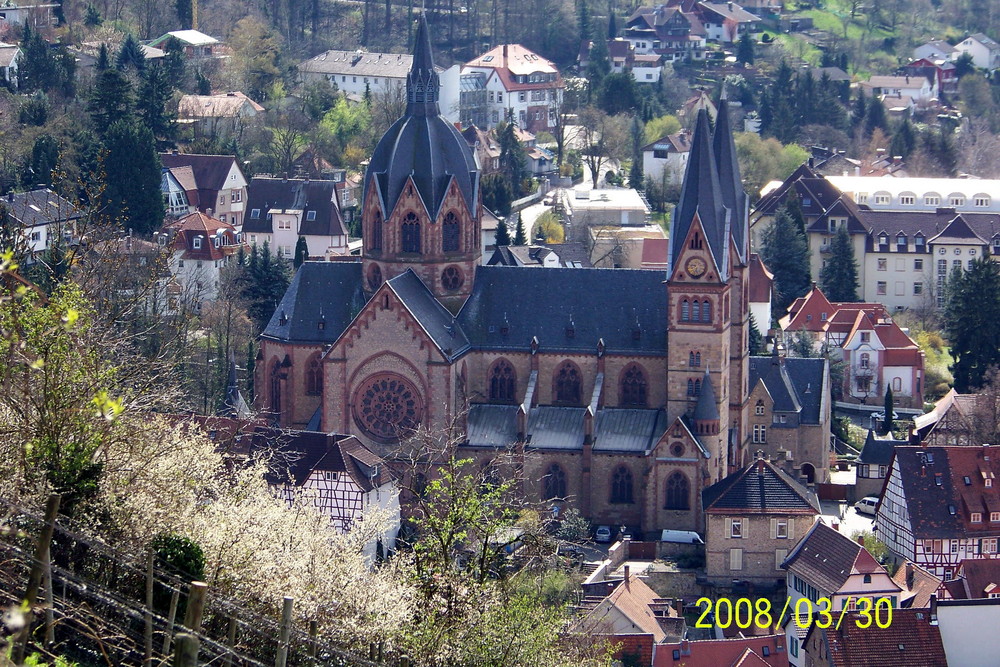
x,y
918,242
196,243
310,216
255,214
901,243
883,239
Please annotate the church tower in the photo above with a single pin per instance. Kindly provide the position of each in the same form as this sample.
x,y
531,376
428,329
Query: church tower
x,y
421,204
699,280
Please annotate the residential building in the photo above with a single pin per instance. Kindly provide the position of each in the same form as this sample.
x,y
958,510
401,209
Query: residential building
x,y
472,102
38,15
280,210
591,378
761,293
872,467
343,478
912,638
632,618
623,57
8,63
520,85
669,32
975,579
942,70
194,44
546,255
617,207
217,116
357,73
956,419
724,22
790,413
44,217
665,159
202,247
918,586
985,52
751,519
941,506
212,184
967,631
620,247
935,49
758,650
919,88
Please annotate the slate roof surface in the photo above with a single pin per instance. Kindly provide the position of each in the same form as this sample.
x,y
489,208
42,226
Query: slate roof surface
x,y
491,425
827,558
909,640
605,304
706,409
795,385
957,231
299,453
930,504
628,430
555,427
759,488
7,54
679,142
265,194
223,105
733,195
210,171
435,319
327,291
39,207
878,450
391,65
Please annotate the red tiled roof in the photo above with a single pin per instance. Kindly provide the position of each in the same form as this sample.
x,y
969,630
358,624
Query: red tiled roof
x,y
654,253
510,60
976,579
743,651
917,583
761,281
909,640
198,224
634,600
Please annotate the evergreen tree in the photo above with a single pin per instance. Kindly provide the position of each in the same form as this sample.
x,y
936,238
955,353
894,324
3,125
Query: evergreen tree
x,y
130,55
497,195
786,253
132,165
263,283
154,105
793,207
511,157
185,13
889,408
12,237
839,276
503,234
783,121
520,236
612,26
110,100
876,117
618,93
638,135
301,252
860,110
103,59
44,158
173,62
971,316
828,110
598,67
756,338
92,17
40,67
744,50
583,21
202,83
904,141
805,96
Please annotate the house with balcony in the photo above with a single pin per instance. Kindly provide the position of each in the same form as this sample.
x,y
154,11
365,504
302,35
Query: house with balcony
x,y
280,210
521,84
940,506
670,32
919,88
202,247
212,184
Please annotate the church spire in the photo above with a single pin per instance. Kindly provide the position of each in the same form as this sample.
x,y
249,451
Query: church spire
x,y
422,83
733,195
701,195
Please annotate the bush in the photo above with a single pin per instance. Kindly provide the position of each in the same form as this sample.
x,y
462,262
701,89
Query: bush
x,y
691,560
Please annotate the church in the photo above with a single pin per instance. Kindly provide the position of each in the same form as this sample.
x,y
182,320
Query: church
x,y
624,392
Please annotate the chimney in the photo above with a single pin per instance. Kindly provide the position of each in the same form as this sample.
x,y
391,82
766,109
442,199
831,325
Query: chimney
x,y
208,211
909,574
627,572
861,541
836,526
933,614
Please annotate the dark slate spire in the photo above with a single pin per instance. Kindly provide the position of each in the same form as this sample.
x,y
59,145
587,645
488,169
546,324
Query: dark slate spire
x,y
422,83
701,194
706,410
733,195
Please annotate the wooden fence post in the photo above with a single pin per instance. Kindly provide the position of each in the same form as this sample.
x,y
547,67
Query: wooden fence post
x,y
148,614
231,641
50,616
313,637
281,657
186,654
168,635
195,605
35,578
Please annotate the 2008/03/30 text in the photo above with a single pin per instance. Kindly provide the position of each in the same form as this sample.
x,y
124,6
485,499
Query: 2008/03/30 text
x,y
744,613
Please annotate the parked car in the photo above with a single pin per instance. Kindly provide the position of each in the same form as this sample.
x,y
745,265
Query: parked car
x,y
603,534
866,505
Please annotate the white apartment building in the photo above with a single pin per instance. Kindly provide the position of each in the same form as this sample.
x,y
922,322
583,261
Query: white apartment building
x,y
521,84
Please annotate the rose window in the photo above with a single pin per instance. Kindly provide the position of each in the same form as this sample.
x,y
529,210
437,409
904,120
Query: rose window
x,y
451,278
387,408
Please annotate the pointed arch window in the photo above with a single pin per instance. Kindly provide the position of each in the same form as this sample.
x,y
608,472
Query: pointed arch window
x,y
694,359
554,483
276,387
696,311
621,486
678,492
376,234
314,376
450,233
411,233
706,311
685,310
694,387
633,387
503,382
566,384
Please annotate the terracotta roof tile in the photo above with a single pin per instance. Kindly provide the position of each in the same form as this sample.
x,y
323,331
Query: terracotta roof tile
x,y
909,640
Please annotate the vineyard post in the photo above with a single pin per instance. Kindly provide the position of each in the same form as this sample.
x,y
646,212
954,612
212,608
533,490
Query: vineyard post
x,y
148,614
286,629
175,598
35,578
186,653
195,606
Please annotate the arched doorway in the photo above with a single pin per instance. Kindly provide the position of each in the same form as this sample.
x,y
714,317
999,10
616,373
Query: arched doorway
x,y
809,472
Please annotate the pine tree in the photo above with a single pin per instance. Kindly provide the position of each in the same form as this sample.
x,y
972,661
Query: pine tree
x,y
744,50
904,141
110,100
103,59
520,236
612,26
511,157
876,118
583,21
301,252
44,158
786,253
839,276
263,283
860,110
756,338
185,13
889,408
598,67
132,165
130,55
154,107
971,314
793,207
202,83
503,234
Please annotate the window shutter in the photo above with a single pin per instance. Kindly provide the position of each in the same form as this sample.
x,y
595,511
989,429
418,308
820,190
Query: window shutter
x,y
791,529
736,559
729,528
779,557
774,529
